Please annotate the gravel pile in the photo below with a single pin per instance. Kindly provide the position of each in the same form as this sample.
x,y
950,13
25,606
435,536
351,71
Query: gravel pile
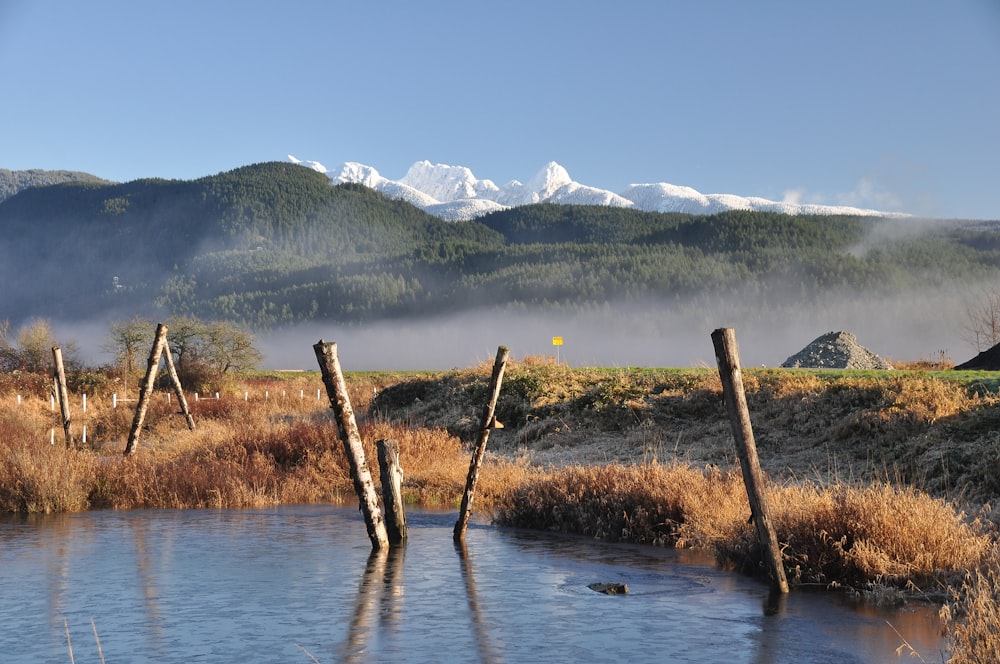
x,y
835,350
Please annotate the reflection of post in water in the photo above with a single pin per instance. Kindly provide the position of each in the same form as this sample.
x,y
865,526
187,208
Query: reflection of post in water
x,y
381,587
487,651
392,591
147,576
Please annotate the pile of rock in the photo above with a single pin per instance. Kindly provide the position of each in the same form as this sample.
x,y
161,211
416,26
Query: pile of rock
x,y
835,350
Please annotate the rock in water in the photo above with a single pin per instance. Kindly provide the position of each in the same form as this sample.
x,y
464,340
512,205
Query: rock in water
x,y
835,350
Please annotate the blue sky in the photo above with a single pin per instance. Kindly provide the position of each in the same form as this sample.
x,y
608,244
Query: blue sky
x,y
892,104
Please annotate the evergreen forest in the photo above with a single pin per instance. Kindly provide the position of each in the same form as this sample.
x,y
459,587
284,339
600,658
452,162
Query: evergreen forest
x,y
274,244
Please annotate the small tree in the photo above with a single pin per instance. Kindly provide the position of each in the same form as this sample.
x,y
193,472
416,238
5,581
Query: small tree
x,y
205,352
35,342
228,348
184,336
128,339
982,321
33,350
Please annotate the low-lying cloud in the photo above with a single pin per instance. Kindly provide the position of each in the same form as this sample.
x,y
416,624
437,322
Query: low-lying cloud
x,y
909,327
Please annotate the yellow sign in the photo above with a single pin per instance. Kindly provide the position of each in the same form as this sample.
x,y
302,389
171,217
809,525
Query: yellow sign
x,y
557,341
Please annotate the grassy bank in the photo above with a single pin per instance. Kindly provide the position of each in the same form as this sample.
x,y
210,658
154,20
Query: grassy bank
x,y
879,482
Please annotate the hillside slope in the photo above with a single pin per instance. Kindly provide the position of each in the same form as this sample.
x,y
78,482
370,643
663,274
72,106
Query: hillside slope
x,y
275,244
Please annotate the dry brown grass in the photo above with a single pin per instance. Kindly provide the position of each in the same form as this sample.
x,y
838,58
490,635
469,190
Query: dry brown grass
x,y
975,615
245,452
858,537
648,503
35,475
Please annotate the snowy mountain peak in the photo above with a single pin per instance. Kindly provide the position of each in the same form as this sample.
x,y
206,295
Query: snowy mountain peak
x,y
548,180
448,183
455,194
315,165
351,171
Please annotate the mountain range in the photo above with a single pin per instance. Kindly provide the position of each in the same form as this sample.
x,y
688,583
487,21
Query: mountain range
x,y
454,193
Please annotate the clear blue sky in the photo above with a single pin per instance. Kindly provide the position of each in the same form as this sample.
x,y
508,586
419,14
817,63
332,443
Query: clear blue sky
x,y
893,104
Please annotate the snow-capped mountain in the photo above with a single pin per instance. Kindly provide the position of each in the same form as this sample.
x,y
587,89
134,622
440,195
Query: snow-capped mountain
x,y
455,194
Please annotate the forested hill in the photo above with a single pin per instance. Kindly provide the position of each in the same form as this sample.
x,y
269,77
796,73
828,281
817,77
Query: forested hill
x,y
276,243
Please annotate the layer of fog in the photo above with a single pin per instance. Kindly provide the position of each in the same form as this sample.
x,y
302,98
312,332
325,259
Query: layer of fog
x,y
917,326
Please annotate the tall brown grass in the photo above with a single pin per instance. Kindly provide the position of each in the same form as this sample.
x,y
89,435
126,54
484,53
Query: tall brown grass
x,y
974,633
36,475
840,535
243,453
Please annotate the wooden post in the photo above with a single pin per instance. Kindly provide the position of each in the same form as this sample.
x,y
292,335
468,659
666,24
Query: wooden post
x,y
147,386
487,422
391,474
178,390
728,357
336,390
62,392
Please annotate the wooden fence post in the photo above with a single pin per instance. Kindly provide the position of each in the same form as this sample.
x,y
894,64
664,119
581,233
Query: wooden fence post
x,y
336,390
728,358
62,392
147,386
487,422
178,390
391,475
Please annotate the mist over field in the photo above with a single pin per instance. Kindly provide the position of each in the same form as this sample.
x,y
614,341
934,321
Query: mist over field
x,y
652,335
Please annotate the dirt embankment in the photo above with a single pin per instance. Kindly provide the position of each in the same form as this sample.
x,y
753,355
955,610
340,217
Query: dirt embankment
x,y
939,432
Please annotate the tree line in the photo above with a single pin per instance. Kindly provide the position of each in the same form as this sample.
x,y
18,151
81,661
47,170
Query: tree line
x,y
274,244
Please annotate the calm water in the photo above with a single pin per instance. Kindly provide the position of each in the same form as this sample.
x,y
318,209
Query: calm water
x,y
269,585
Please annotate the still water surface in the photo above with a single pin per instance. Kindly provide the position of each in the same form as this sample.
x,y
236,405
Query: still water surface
x,y
279,585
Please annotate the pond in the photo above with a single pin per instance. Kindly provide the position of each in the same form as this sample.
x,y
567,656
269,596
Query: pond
x,y
299,584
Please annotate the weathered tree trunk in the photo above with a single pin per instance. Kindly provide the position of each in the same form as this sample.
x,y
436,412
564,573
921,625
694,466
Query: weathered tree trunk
x,y
61,392
728,358
147,386
178,390
391,475
336,390
486,423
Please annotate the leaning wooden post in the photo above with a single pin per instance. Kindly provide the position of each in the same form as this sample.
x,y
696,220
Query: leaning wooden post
x,y
336,390
147,386
178,390
391,475
62,392
487,422
728,357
